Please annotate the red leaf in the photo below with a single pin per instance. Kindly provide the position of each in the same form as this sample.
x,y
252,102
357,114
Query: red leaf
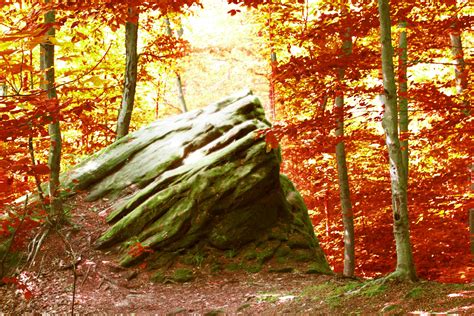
x,y
233,12
39,169
271,140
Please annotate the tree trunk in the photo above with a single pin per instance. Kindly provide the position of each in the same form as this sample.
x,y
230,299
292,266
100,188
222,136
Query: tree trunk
x,y
344,191
405,267
471,229
54,159
273,64
128,95
181,98
202,184
460,75
272,81
403,95
458,55
3,89
179,83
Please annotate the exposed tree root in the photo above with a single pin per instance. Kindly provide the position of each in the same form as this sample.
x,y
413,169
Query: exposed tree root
x,y
35,245
396,276
75,259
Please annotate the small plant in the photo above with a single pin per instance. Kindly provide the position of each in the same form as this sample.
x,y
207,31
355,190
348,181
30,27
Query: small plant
x,y
315,290
334,301
250,255
415,293
183,275
198,259
233,266
351,286
216,267
231,253
253,268
265,255
137,249
374,290
158,277
268,297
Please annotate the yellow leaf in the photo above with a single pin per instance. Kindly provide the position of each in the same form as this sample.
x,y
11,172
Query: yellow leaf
x,y
34,42
96,81
54,41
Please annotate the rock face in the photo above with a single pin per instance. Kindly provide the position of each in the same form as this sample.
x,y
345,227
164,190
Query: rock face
x,y
201,188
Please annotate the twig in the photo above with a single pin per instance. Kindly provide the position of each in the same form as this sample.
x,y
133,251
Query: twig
x,y
43,234
33,162
101,282
74,271
41,265
61,84
85,276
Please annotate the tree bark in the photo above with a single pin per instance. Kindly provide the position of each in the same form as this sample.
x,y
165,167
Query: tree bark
x,y
403,96
272,81
128,95
460,75
181,98
405,267
344,190
55,215
179,83
458,55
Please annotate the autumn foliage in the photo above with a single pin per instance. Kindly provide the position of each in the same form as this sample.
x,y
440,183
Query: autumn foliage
x,y
305,38
439,138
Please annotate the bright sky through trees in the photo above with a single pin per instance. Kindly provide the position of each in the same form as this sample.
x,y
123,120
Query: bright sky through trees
x,y
225,53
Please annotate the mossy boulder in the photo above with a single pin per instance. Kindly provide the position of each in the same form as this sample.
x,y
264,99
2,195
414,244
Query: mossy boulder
x,y
201,184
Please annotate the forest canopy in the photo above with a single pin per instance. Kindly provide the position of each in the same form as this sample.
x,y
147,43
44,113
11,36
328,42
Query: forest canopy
x,y
78,75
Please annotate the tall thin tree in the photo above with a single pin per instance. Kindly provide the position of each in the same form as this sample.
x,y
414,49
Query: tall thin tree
x,y
179,82
403,95
405,268
458,55
131,66
461,78
344,190
48,85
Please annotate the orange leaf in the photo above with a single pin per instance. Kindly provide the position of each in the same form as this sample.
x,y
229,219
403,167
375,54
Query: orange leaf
x,y
271,140
39,169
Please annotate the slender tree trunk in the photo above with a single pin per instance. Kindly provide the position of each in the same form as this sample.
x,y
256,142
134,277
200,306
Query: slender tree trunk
x,y
460,75
54,158
344,191
405,267
471,211
181,98
272,96
458,55
273,64
128,95
31,150
326,211
403,95
3,89
179,83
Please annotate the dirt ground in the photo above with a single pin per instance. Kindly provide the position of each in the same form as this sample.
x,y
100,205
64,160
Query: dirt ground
x,y
101,286
105,290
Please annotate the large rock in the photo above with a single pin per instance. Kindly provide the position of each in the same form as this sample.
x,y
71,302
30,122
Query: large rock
x,y
202,185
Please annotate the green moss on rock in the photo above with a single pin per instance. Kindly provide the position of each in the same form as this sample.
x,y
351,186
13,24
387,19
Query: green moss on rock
x,y
198,187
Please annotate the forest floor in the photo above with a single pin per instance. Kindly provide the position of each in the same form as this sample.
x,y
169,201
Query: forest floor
x,y
101,286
